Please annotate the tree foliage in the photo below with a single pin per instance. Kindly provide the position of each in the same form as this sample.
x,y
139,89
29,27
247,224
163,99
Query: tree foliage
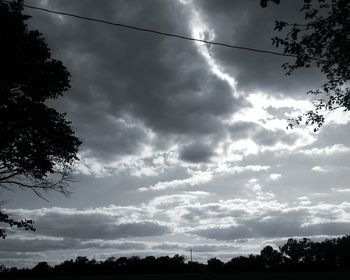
x,y
25,224
37,144
321,40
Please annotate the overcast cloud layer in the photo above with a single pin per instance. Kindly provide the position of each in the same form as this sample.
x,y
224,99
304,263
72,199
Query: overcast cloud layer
x,y
185,145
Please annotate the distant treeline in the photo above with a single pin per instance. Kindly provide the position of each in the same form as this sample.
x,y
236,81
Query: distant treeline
x,y
295,255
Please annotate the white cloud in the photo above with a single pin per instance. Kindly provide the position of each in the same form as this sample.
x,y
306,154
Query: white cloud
x,y
341,190
197,178
275,176
327,151
320,169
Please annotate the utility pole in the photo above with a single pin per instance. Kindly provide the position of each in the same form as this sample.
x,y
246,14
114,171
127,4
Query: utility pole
x,y
191,254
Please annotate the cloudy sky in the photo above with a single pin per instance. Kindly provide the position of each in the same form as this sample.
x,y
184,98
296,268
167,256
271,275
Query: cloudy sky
x,y
185,144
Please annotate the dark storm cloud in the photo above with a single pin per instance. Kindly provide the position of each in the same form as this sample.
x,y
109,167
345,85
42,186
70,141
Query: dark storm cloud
x,y
120,75
196,152
94,226
110,134
245,23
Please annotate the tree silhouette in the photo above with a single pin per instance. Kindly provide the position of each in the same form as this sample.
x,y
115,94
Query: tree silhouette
x,y
42,268
297,252
270,257
4,218
321,40
330,255
215,265
37,143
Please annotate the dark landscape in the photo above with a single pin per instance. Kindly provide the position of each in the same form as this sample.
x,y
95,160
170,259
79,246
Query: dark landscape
x,y
296,258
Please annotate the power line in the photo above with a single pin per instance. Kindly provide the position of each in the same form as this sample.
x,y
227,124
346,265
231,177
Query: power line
x,y
157,31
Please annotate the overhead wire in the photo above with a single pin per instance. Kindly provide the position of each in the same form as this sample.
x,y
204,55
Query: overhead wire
x,y
158,32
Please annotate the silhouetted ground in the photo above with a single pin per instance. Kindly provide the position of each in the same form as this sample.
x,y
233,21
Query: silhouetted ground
x,y
212,276
330,258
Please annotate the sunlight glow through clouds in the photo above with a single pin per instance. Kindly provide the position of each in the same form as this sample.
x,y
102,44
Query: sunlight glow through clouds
x,y
227,150
260,101
201,31
258,114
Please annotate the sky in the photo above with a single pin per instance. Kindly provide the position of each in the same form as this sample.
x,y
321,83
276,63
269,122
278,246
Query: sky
x,y
185,145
